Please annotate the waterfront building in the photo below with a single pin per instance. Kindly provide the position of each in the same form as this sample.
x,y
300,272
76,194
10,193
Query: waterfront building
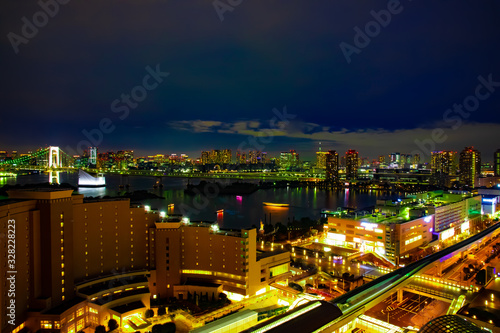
x,y
351,164
289,160
205,157
332,166
321,157
216,156
470,166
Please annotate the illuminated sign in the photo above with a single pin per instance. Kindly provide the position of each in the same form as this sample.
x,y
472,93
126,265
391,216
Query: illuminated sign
x,y
447,233
163,214
428,219
465,226
489,200
369,226
337,237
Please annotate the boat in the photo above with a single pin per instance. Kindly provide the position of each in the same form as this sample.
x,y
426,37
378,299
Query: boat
x,y
275,204
87,180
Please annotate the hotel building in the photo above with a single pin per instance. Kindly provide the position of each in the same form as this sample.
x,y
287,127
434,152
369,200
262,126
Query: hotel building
x,y
80,262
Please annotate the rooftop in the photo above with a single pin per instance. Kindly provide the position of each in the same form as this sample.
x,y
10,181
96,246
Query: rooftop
x,y
129,307
266,254
58,310
110,284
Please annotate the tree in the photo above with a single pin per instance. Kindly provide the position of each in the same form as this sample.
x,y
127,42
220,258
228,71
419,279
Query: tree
x,y
157,328
149,313
100,329
169,327
162,310
222,296
112,324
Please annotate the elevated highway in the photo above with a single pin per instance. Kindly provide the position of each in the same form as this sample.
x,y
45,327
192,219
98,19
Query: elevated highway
x,y
354,303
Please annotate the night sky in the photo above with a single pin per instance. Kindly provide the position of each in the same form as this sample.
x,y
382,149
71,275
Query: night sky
x,y
226,77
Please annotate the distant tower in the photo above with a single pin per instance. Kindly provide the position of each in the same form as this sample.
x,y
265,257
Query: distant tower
x,y
470,166
93,155
54,157
321,158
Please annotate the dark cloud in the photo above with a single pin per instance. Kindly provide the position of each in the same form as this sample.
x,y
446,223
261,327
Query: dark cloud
x,y
233,73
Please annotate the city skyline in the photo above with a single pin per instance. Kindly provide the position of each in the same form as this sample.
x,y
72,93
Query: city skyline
x,y
235,158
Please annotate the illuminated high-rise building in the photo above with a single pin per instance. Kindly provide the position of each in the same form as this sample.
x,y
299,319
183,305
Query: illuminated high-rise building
x,y
470,166
93,156
253,156
496,163
351,164
443,162
443,165
289,160
332,166
205,157
395,157
416,159
216,156
225,156
263,157
381,159
321,159
241,158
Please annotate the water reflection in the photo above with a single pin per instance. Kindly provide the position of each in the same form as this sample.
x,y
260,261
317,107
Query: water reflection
x,y
241,211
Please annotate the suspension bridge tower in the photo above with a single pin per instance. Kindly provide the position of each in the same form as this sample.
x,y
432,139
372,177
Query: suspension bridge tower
x,y
54,157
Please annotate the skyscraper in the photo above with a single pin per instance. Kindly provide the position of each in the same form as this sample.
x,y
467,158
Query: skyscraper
x,y
443,165
321,157
351,164
289,160
470,166
332,166
205,157
443,162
